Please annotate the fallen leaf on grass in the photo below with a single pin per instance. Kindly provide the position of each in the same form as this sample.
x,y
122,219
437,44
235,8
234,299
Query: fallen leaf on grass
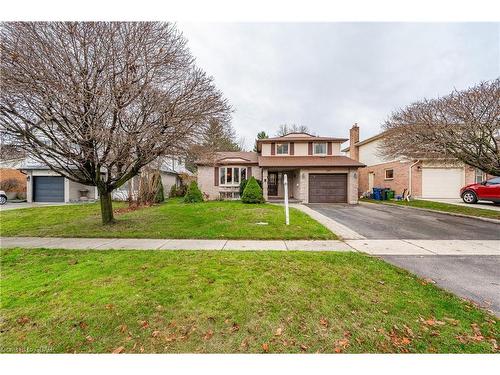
x,y
23,320
118,350
304,347
279,331
265,347
432,322
341,345
89,338
83,325
109,306
235,327
144,324
155,333
208,335
324,322
426,281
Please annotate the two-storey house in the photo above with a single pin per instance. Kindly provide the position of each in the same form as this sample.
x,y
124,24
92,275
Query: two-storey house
x,y
316,170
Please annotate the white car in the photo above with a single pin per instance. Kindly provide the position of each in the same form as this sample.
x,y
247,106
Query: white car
x,y
3,197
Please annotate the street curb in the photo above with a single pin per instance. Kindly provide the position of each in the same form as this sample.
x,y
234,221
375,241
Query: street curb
x,y
495,221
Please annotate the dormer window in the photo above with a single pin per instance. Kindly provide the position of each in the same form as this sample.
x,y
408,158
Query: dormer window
x,y
319,148
282,148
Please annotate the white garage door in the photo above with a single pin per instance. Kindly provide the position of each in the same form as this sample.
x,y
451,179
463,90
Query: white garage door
x,y
442,182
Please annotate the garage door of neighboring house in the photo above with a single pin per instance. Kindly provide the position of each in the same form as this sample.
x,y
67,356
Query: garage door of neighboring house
x,y
327,188
48,189
442,182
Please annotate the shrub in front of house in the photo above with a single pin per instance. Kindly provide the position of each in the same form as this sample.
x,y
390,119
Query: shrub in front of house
x,y
193,193
252,192
160,195
243,184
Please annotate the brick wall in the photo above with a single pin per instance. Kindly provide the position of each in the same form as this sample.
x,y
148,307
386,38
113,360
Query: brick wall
x,y
399,181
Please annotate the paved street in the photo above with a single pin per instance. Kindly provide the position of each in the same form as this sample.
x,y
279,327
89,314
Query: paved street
x,y
377,221
473,277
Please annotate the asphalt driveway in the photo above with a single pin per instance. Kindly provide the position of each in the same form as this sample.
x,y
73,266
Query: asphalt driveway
x,y
377,221
475,277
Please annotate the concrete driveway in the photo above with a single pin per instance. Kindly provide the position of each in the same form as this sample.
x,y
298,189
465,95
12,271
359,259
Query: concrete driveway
x,y
16,206
475,277
377,221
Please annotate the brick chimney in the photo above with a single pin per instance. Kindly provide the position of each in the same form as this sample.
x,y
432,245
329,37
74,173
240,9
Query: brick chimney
x,y
354,138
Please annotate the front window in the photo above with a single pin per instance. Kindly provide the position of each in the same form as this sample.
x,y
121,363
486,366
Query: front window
x,y
282,148
389,174
479,176
320,148
231,176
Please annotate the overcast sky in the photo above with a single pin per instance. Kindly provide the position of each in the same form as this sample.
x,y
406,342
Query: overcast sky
x,y
329,75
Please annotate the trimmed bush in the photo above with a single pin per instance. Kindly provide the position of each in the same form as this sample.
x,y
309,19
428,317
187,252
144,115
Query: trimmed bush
x,y
252,192
243,184
193,193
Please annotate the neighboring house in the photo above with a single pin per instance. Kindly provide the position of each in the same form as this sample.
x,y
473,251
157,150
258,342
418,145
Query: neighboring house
x,y
317,172
424,178
45,185
171,168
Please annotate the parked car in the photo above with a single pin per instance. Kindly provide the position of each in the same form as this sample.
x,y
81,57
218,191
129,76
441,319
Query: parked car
x,y
488,190
3,197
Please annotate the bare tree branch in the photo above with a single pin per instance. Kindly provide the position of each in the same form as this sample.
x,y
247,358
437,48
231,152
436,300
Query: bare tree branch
x,y
463,125
97,101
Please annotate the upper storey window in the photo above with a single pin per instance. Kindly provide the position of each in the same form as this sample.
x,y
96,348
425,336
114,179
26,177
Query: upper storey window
x,y
319,149
282,148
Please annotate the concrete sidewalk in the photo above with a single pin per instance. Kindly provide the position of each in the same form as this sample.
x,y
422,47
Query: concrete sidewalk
x,y
373,247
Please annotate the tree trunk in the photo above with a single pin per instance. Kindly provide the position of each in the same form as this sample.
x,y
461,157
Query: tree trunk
x,y
106,207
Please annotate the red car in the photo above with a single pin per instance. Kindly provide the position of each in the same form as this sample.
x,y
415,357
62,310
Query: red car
x,y
488,190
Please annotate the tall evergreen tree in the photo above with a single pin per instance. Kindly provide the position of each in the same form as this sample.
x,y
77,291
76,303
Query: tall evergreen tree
x,y
260,135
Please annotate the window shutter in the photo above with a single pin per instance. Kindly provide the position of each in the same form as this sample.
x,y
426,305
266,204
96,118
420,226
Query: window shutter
x,y
292,148
216,176
249,172
310,148
273,148
329,151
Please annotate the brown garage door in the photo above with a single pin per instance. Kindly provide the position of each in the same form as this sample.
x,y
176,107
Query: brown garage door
x,y
327,188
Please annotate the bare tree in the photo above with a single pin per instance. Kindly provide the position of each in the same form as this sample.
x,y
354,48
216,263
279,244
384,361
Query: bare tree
x,y
98,101
463,125
285,129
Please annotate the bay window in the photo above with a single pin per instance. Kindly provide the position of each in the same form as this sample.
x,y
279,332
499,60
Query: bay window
x,y
231,176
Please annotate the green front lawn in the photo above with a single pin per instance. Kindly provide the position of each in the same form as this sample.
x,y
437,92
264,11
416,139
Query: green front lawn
x,y
445,207
226,302
223,220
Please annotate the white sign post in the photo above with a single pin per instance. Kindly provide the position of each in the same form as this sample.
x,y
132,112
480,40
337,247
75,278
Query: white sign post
x,y
285,185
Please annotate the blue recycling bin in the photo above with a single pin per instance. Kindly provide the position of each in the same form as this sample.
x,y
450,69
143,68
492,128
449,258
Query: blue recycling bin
x,y
377,194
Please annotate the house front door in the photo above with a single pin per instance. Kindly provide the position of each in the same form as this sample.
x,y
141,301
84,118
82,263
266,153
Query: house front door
x,y
272,184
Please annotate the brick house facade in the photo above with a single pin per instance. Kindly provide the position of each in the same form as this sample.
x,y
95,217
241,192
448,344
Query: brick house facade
x,y
429,178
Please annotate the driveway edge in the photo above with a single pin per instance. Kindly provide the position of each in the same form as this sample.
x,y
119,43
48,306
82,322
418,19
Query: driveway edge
x,y
495,221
